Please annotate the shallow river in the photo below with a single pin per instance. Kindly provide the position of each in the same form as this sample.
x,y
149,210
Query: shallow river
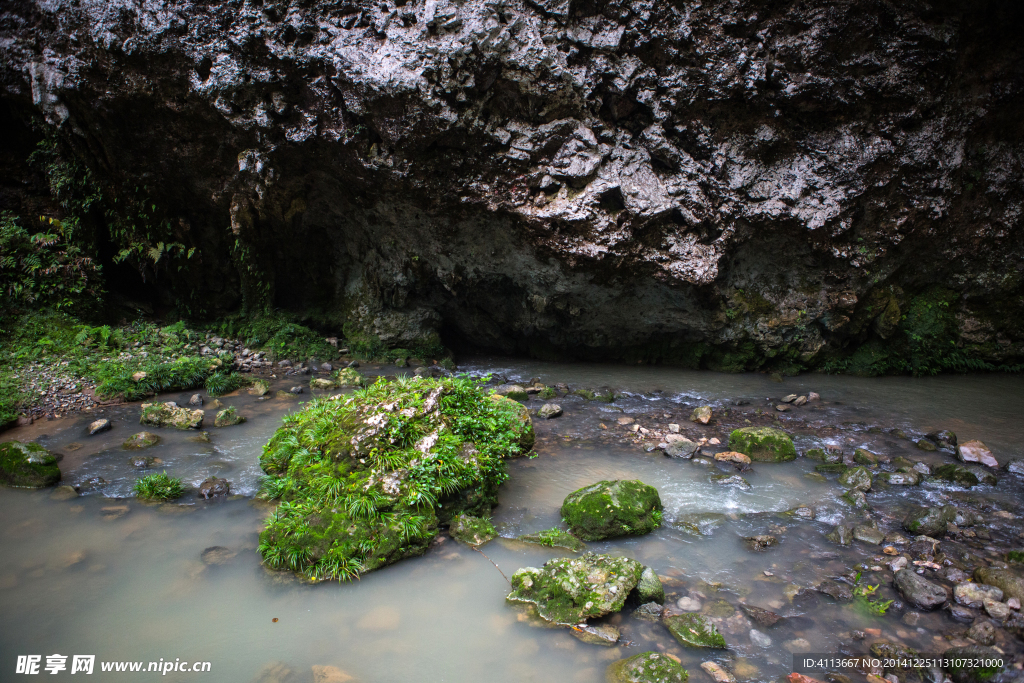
x,y
104,574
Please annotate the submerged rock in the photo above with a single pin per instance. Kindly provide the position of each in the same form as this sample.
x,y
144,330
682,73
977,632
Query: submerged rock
x,y
859,478
761,542
27,465
597,634
911,478
700,523
170,414
693,630
139,441
647,667
964,476
608,509
212,487
549,410
554,538
943,437
763,444
569,591
717,673
760,616
929,521
841,592
228,418
649,611
217,555
397,461
472,530
919,591
842,534
734,480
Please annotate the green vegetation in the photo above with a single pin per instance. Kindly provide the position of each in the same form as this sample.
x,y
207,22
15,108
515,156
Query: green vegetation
x,y
158,487
647,667
608,509
554,538
862,598
763,444
693,630
27,465
366,479
472,530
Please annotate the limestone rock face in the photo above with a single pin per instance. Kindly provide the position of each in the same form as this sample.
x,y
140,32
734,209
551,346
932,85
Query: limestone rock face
x,y
601,207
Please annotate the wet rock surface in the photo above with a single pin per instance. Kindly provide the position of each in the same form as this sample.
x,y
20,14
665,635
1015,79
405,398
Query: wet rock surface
x,y
609,509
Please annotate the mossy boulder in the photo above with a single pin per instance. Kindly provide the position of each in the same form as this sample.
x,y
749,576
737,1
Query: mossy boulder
x,y
259,387
349,377
647,667
863,456
472,530
607,509
859,478
136,442
1010,581
909,478
322,384
554,538
569,591
693,630
763,444
228,417
929,521
170,414
966,476
963,663
366,479
649,589
524,427
27,465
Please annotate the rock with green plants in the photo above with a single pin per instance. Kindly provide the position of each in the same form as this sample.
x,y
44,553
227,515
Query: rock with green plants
x,y
137,442
348,377
607,509
228,418
158,487
259,387
763,444
170,414
365,480
472,530
27,465
694,630
569,591
554,538
322,384
647,667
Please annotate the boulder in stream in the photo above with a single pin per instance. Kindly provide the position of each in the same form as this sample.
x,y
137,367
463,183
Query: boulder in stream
x,y
911,478
349,377
170,414
228,418
859,478
472,530
701,415
647,667
694,630
760,542
139,441
919,591
211,487
569,591
681,448
930,521
649,588
966,476
607,509
554,538
763,444
976,452
761,616
98,426
1009,581
549,410
27,465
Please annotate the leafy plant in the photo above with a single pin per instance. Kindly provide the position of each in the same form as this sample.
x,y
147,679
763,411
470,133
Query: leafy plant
x,y
862,595
158,487
220,383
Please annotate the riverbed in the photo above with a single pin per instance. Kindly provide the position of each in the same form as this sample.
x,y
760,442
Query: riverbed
x,y
106,574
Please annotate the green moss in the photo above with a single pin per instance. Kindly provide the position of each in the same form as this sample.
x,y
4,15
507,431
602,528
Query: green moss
x,y
365,479
608,509
763,444
554,538
27,465
865,457
349,377
229,417
569,591
857,477
158,487
524,426
1015,556
647,667
137,442
472,530
814,454
649,588
964,476
546,393
693,630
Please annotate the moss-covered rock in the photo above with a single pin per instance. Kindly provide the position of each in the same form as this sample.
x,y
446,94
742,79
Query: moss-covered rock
x,y
910,478
830,468
647,667
693,630
524,428
259,387
554,538
1010,581
966,476
322,384
349,377
859,478
763,444
170,414
963,663
472,530
511,391
366,479
27,465
863,456
929,521
649,589
136,442
571,590
228,417
608,509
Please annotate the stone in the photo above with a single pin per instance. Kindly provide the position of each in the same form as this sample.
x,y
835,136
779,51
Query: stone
x,y
649,588
649,611
868,534
201,437
681,448
761,542
963,663
865,457
170,414
549,410
211,487
973,595
758,638
608,509
919,591
321,384
911,478
596,634
1008,580
717,673
856,498
228,418
569,591
64,493
802,512
474,531
982,632
929,521
732,456
897,563
554,538
688,604
326,367
217,556
674,428
800,400
1013,603
943,438
760,616
841,534
960,613
926,445
997,610
763,444
841,592
789,399
283,395
259,387
647,667
693,630
976,452
196,400
142,461
349,377
141,440
330,674
858,478
512,391
701,415
734,480
99,426
783,408
296,390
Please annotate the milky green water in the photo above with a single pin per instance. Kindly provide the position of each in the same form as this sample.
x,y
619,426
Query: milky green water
x,y
75,579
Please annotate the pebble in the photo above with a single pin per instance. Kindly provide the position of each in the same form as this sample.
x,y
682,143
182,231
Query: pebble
x,y
688,604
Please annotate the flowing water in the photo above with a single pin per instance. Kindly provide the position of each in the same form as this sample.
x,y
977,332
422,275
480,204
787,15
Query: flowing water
x,y
105,574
